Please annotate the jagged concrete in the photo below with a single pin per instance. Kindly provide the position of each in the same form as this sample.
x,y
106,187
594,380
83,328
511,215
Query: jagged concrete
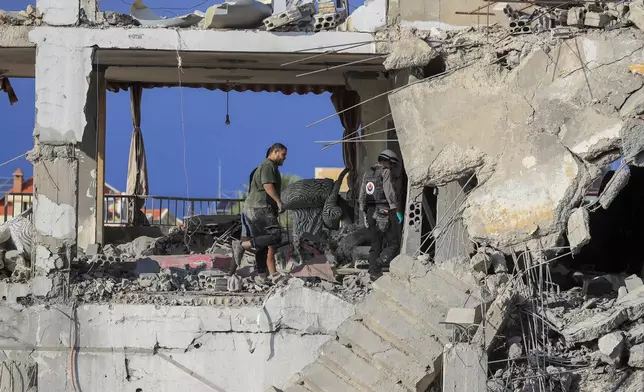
x,y
396,341
534,132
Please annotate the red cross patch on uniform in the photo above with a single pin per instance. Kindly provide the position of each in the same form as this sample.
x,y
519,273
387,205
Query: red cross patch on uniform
x,y
370,188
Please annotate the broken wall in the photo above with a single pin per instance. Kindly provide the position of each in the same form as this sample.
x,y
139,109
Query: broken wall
x,y
122,347
439,13
533,121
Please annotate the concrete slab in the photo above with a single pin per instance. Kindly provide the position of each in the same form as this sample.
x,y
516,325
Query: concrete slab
x,y
320,379
204,40
578,229
393,327
385,356
633,282
462,316
464,368
434,282
355,370
414,304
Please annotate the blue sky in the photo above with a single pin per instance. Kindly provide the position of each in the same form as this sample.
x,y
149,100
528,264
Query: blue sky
x,y
257,121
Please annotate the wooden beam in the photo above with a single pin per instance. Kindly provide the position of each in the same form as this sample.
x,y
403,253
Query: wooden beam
x,y
100,161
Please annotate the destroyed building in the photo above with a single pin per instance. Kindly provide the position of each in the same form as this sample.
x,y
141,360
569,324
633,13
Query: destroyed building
x,y
513,275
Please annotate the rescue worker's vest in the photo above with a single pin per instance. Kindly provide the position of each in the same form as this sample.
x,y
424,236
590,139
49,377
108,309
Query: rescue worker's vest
x,y
372,186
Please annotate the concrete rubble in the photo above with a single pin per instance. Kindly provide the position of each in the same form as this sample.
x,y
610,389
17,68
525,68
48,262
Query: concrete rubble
x,y
561,121
520,119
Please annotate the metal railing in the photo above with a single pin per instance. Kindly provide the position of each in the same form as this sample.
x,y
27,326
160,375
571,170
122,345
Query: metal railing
x,y
162,210
15,204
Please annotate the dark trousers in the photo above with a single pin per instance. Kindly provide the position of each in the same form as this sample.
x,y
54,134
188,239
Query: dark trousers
x,y
385,245
265,230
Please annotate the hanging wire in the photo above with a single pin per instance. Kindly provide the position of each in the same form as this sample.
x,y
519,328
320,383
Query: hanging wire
x,y
228,107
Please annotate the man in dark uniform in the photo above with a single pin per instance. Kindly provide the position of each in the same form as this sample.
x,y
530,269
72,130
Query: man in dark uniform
x,y
382,215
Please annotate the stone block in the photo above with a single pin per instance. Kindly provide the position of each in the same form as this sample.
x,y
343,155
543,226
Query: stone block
x,y
578,229
292,15
413,304
393,327
461,316
385,356
408,53
495,319
636,358
636,334
41,286
633,282
621,292
93,249
12,292
355,370
464,368
576,16
595,326
632,135
297,307
597,19
615,185
637,14
321,379
612,344
436,283
59,12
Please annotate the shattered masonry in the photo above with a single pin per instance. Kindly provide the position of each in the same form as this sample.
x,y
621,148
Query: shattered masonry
x,y
525,274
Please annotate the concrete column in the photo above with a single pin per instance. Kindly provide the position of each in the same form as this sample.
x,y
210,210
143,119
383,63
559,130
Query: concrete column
x,y
453,241
63,93
412,229
87,153
368,88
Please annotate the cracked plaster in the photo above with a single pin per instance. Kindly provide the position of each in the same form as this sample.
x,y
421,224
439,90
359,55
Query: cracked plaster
x,y
538,132
124,347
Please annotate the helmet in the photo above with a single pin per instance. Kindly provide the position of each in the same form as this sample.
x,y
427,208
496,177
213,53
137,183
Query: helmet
x,y
388,155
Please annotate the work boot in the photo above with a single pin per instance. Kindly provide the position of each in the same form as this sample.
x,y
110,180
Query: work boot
x,y
260,279
238,251
375,275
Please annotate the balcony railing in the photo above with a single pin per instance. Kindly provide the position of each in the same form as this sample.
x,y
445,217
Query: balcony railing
x,y
15,204
164,211
122,210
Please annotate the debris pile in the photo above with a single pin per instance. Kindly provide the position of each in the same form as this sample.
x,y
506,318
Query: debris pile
x,y
103,279
565,340
29,17
305,17
236,14
559,19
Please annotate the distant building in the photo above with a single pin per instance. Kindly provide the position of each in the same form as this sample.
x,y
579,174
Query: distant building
x,y
17,196
333,173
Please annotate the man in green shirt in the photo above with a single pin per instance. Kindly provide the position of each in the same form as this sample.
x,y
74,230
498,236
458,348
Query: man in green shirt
x,y
261,207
